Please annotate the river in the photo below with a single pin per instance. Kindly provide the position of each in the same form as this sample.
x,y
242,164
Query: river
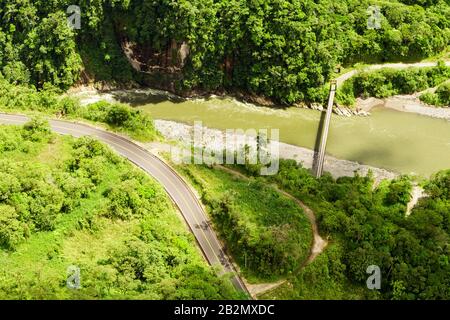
x,y
397,141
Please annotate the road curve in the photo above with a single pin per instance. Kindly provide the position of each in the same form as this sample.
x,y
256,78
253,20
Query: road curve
x,y
178,190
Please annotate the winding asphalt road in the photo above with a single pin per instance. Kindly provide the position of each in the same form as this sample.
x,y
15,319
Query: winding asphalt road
x,y
175,186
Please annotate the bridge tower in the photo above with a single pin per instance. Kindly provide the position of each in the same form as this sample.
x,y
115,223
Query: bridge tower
x,y
326,127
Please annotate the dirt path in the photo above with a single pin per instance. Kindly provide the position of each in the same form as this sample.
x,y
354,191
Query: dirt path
x,y
416,193
341,79
319,243
261,288
317,247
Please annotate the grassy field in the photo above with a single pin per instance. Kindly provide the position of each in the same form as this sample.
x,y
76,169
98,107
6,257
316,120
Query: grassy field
x,y
67,202
268,235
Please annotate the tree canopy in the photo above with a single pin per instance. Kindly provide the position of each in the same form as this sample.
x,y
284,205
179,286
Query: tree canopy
x,y
367,225
284,50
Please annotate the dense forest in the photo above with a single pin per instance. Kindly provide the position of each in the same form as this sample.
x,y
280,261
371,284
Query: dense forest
x,y
66,201
365,225
284,50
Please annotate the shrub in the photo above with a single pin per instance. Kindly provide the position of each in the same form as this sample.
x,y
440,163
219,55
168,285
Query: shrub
x,y
16,73
120,116
68,106
443,94
12,231
429,98
441,97
37,129
399,192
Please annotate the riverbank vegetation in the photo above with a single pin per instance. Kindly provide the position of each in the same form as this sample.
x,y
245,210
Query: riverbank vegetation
x,y
267,234
116,116
280,49
439,98
389,82
366,225
73,202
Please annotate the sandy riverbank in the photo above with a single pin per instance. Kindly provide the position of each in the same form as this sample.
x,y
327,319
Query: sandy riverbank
x,y
337,167
404,103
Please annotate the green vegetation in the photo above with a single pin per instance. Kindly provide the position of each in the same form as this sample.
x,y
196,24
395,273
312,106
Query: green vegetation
x,y
366,225
70,202
121,117
388,82
74,202
118,117
268,234
323,279
440,98
282,49
39,47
